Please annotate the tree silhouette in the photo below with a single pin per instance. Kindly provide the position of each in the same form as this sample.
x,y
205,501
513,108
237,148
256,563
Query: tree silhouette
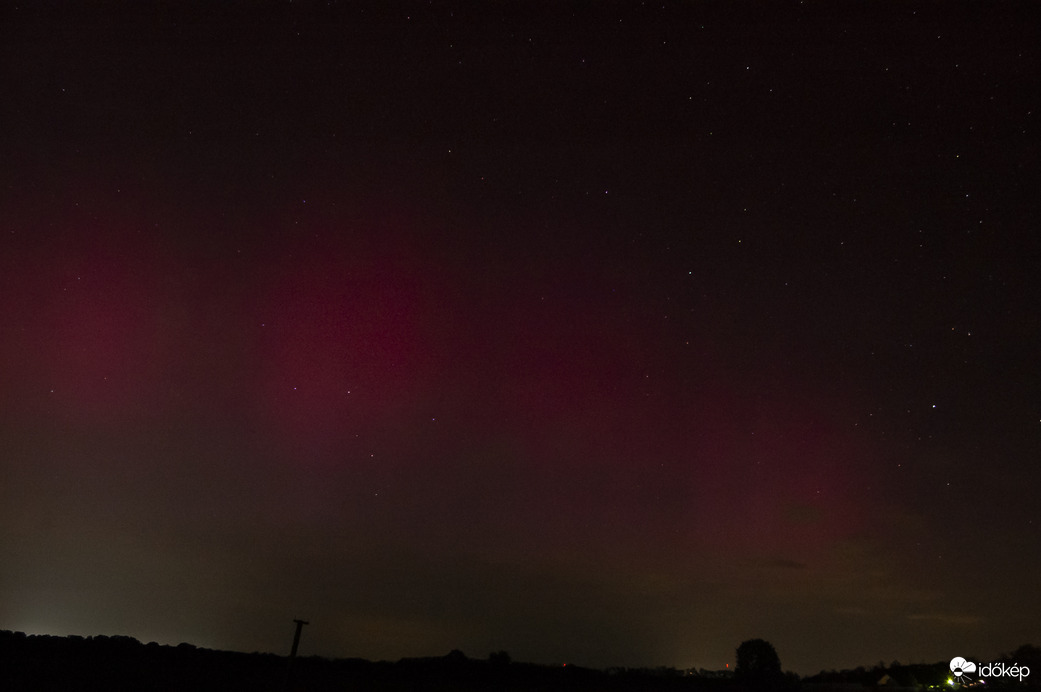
x,y
499,659
758,663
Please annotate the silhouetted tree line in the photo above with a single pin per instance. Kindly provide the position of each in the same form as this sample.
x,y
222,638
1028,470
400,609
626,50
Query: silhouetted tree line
x,y
925,676
40,663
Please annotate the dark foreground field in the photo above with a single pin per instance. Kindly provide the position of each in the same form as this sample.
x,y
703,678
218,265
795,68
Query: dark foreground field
x,y
40,663
110,664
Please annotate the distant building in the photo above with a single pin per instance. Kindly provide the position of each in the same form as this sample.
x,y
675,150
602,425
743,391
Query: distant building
x,y
888,682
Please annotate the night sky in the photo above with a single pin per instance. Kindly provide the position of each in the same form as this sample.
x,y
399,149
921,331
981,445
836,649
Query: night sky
x,y
614,333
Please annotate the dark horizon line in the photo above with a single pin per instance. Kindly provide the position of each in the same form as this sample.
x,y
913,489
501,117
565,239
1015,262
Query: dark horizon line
x,y
457,654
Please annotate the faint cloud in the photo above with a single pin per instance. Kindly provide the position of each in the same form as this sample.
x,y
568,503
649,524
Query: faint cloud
x,y
852,610
800,513
946,618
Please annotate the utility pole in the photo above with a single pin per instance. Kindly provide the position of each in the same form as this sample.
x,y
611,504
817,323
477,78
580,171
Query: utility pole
x,y
292,654
296,638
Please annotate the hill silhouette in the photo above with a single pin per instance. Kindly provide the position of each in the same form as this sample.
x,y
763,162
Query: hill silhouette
x,y
45,663
42,663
